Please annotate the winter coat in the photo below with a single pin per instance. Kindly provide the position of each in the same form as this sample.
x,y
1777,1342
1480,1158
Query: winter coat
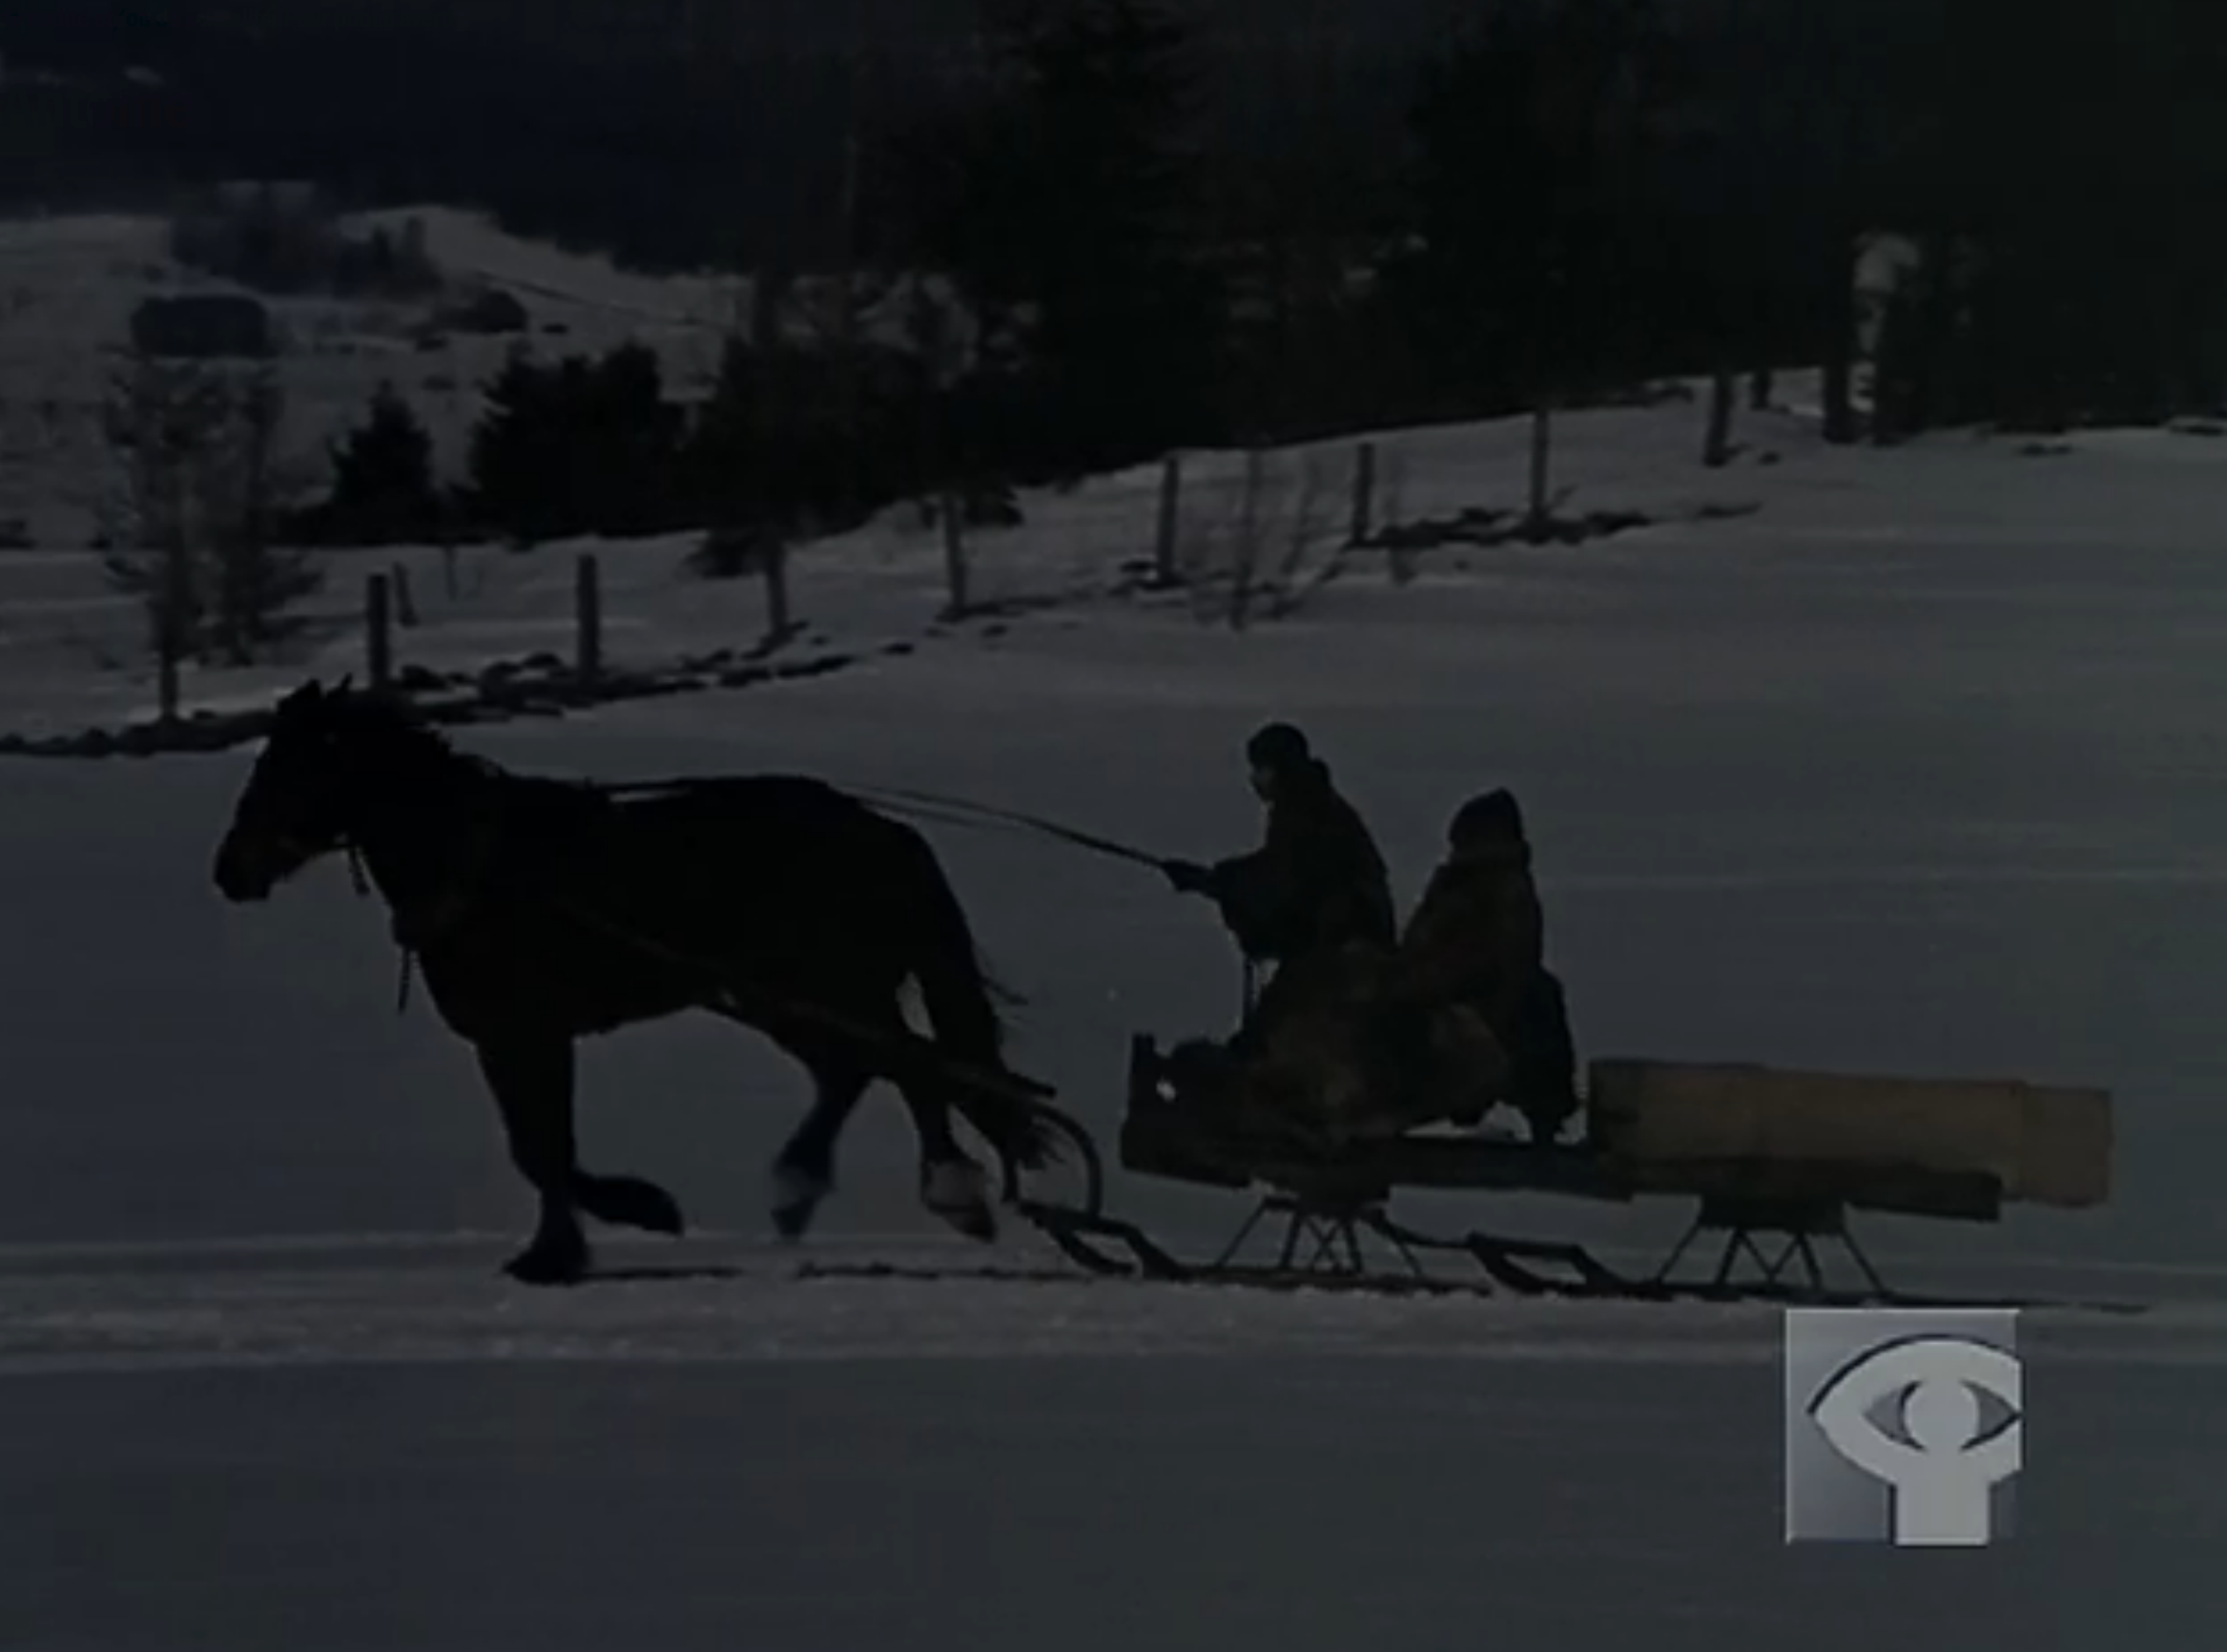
x,y
1316,881
1476,938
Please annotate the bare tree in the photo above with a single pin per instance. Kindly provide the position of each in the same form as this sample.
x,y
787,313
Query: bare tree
x,y
1309,524
192,530
1246,543
1233,559
256,585
156,419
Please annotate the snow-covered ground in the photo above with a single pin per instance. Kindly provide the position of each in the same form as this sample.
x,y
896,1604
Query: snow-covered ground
x,y
1912,768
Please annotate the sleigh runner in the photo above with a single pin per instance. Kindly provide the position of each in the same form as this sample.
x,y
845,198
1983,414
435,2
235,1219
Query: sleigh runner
x,y
1775,1162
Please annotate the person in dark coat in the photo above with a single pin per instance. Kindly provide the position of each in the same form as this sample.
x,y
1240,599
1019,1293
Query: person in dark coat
x,y
1475,942
1313,900
1317,882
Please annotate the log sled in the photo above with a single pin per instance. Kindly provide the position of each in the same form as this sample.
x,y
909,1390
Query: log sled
x,y
1773,1161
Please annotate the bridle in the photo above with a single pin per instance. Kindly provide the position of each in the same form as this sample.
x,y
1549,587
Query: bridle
x,y
420,923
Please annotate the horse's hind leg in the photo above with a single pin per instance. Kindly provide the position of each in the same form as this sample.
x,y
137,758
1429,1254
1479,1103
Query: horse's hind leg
x,y
952,1184
628,1202
534,1077
804,1172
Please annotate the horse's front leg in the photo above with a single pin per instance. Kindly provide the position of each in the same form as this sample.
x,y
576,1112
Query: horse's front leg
x,y
805,1171
532,1076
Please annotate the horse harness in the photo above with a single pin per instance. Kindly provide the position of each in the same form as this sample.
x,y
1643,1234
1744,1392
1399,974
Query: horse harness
x,y
420,923
418,926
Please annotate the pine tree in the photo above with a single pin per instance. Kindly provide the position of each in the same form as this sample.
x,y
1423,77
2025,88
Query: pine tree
x,y
516,469
1069,205
383,490
585,446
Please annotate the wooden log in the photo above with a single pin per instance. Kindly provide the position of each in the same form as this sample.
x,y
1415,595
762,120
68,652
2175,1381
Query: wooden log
x,y
2044,1146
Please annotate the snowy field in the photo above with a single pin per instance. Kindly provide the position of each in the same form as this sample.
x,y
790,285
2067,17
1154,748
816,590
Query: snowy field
x,y
1913,768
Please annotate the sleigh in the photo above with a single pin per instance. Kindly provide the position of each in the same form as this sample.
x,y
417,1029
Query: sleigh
x,y
1773,1163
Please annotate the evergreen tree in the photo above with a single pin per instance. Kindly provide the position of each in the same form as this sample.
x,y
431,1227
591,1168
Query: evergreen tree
x,y
584,446
1531,131
1069,205
517,467
383,490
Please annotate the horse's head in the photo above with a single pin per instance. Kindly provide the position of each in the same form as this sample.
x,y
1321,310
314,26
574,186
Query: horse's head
x,y
302,798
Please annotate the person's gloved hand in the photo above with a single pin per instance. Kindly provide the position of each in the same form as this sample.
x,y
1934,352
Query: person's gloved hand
x,y
1186,877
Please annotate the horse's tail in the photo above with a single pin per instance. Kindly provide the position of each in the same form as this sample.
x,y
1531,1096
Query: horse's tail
x,y
961,1000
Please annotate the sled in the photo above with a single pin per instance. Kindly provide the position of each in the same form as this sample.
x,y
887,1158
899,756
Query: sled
x,y
1773,1163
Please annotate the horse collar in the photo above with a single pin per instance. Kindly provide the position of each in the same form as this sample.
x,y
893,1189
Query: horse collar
x,y
421,922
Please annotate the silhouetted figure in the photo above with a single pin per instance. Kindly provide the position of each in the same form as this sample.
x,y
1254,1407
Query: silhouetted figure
x,y
1314,900
542,911
1475,944
1316,883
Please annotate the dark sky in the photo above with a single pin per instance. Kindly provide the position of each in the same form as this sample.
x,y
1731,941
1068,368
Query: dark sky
x,y
75,31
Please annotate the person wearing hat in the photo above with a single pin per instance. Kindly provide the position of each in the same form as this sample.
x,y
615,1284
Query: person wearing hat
x,y
1468,1008
1317,882
1313,900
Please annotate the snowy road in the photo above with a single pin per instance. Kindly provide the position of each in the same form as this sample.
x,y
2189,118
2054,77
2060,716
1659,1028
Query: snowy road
x,y
826,1466
400,1302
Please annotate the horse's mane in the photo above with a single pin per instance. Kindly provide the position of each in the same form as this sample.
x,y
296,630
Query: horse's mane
x,y
394,734
391,729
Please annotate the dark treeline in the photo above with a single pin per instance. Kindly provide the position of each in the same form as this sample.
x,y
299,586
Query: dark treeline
x,y
674,133
1229,222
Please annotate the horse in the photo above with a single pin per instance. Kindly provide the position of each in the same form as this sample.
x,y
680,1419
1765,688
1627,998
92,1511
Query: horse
x,y
539,911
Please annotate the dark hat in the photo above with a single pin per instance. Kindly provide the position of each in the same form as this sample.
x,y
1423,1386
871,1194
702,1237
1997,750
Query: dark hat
x,y
1278,747
1493,817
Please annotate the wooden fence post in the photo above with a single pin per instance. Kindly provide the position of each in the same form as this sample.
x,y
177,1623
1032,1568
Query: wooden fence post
x,y
1717,439
955,569
1163,572
776,567
405,605
1542,448
588,617
448,570
378,631
171,625
1363,495
1249,537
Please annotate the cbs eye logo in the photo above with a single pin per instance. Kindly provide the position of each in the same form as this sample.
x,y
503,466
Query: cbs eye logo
x,y
1907,1412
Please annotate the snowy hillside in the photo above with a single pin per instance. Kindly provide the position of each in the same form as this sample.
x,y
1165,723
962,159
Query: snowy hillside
x,y
68,288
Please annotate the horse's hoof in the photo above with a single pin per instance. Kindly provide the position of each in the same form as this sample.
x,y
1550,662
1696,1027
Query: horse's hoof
x,y
796,1197
660,1213
958,1191
630,1202
793,1221
549,1262
975,1221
